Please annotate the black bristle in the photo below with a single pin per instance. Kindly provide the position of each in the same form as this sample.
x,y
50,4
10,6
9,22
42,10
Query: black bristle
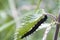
x,y
35,27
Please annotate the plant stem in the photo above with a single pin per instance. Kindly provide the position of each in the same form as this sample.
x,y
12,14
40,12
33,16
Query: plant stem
x,y
15,16
57,28
38,5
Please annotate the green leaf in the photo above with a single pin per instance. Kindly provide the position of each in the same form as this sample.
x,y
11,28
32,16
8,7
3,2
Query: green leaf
x,y
3,4
28,22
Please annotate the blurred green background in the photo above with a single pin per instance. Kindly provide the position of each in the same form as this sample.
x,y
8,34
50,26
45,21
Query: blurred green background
x,y
19,16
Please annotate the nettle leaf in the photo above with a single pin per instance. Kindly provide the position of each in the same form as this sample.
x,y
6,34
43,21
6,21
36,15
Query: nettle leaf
x,y
28,22
3,4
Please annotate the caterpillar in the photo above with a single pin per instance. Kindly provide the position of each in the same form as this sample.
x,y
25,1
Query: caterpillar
x,y
35,27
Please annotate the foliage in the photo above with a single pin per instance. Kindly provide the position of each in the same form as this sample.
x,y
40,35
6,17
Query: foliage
x,y
29,15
